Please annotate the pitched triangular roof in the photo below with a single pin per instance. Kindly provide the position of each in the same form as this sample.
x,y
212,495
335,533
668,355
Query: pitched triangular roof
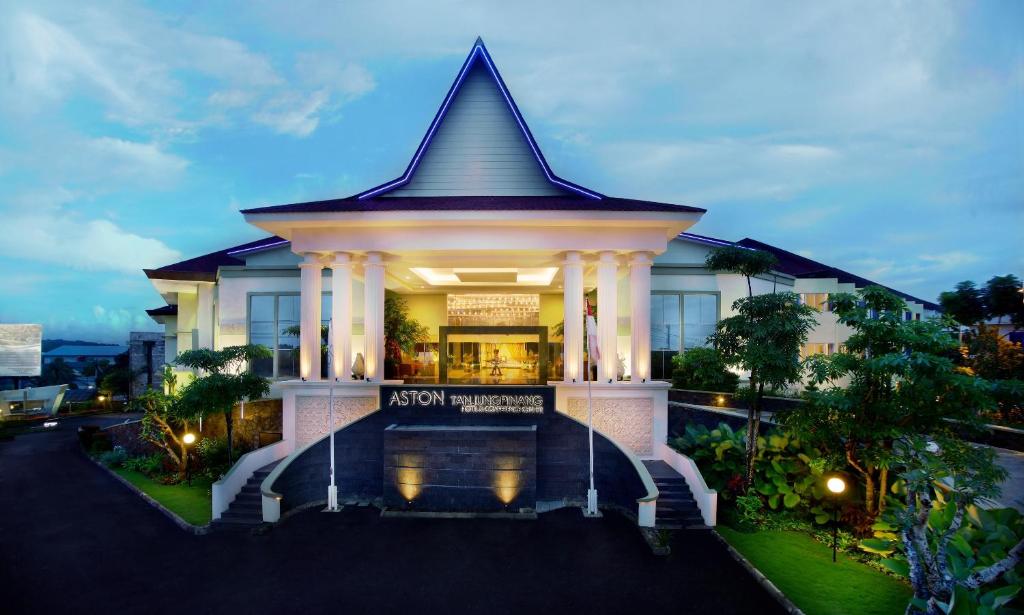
x,y
478,60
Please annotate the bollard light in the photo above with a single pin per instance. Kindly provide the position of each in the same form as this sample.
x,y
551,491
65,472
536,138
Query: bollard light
x,y
189,438
836,485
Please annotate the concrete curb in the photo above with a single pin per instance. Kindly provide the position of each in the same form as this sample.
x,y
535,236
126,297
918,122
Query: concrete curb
x,y
198,530
780,597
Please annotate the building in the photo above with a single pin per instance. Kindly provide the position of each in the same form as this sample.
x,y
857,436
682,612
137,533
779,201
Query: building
x,y
146,358
494,254
79,357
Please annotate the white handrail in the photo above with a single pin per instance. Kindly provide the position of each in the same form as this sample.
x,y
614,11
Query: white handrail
x,y
230,485
707,499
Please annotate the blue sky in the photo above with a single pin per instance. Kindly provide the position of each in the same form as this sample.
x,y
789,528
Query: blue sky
x,y
886,138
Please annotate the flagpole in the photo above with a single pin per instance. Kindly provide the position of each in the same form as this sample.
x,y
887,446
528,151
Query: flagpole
x,y
592,492
332,489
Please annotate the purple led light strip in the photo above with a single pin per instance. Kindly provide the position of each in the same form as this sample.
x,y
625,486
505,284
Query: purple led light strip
x,y
478,48
262,247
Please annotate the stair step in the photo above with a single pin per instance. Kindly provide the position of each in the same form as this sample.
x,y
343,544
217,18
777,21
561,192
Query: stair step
x,y
249,508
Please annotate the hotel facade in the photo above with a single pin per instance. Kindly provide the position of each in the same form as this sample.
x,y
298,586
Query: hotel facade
x,y
495,255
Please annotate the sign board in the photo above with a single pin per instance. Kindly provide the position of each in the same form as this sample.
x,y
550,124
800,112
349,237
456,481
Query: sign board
x,y
469,400
21,350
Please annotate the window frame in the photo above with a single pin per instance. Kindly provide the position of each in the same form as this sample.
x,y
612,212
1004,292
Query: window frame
x,y
275,373
682,313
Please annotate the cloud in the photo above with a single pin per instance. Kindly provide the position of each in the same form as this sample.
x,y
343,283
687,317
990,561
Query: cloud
x,y
44,228
142,162
293,114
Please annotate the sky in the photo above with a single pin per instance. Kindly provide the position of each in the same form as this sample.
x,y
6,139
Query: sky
x,y
884,138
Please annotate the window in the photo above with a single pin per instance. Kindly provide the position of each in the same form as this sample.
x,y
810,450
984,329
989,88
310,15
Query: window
x,y
811,349
700,315
665,322
274,323
818,301
679,321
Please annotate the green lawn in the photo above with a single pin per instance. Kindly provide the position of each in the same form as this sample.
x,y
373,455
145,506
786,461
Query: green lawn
x,y
190,503
802,569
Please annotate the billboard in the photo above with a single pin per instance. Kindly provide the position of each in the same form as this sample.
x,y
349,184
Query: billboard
x,y
21,350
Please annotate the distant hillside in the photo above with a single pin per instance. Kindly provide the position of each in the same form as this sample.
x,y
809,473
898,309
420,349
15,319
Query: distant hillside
x,y
49,345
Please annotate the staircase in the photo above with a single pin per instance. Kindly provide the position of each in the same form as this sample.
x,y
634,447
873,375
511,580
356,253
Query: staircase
x,y
246,510
676,507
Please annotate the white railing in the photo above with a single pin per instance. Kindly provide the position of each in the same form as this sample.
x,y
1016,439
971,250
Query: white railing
x,y
707,499
228,487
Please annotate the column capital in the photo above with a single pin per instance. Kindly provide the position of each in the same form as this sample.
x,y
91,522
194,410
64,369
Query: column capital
x,y
374,258
641,258
607,256
312,260
337,259
573,257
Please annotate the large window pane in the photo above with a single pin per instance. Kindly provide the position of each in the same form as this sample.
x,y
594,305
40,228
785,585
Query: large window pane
x,y
287,336
261,331
665,326
700,313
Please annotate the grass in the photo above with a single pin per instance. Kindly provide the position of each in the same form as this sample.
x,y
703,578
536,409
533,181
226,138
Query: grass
x,y
802,569
190,503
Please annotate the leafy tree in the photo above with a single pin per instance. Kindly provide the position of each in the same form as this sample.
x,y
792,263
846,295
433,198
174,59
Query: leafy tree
x,y
703,369
953,550
222,382
764,337
1003,298
992,356
966,304
163,425
746,262
96,369
56,372
899,383
401,333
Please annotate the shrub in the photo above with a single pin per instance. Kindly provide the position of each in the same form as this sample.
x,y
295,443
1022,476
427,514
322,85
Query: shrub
x,y
116,457
150,465
789,472
749,507
702,369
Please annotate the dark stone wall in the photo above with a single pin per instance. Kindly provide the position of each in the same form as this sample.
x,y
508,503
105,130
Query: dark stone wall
x,y
126,435
729,400
562,460
260,427
451,468
679,416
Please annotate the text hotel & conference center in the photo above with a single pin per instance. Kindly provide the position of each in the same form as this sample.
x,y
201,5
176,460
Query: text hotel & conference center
x,y
494,254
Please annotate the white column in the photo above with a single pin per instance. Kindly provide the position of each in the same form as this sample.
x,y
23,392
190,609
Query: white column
x,y
572,283
311,271
608,315
640,317
341,316
373,316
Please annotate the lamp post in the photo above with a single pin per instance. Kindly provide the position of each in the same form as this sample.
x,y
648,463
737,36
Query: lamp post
x,y
188,439
836,485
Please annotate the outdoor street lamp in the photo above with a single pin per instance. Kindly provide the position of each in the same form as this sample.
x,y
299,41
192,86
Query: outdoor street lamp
x,y
188,439
836,485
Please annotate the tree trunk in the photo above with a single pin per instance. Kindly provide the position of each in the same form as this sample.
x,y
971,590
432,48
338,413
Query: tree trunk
x,y
228,422
883,488
753,427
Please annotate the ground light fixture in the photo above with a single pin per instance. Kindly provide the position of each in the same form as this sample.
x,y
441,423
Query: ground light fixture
x,y
836,486
189,439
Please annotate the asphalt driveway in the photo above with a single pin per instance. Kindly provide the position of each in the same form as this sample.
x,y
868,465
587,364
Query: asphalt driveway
x,y
72,540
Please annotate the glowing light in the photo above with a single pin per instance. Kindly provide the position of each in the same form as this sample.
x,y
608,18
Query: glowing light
x,y
189,438
836,485
409,476
50,424
720,399
506,483
101,398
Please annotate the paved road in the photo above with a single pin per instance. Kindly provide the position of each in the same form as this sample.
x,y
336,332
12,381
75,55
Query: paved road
x,y
1013,486
72,540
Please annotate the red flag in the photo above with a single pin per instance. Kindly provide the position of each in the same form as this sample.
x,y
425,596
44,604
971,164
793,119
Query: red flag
x,y
593,340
